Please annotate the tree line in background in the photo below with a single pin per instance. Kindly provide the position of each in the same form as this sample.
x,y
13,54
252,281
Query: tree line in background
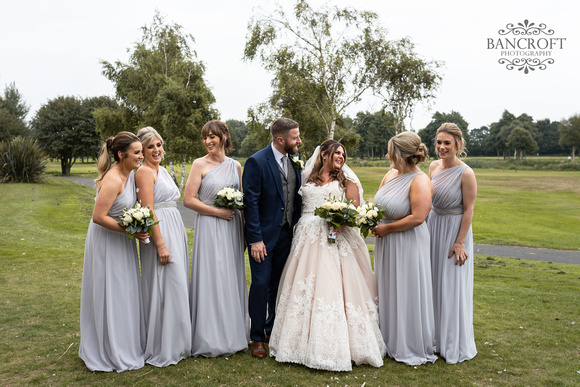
x,y
323,61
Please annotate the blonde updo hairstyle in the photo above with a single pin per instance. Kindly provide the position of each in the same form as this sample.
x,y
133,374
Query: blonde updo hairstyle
x,y
112,146
407,147
147,135
327,148
219,129
454,131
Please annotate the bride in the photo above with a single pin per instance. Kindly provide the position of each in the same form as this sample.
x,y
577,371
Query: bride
x,y
327,310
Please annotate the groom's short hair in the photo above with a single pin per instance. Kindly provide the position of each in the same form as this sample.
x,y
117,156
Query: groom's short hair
x,y
282,126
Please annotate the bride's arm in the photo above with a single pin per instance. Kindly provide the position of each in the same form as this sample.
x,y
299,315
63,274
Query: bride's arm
x,y
352,193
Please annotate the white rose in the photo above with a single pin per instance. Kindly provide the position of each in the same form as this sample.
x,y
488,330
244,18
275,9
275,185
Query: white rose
x,y
363,212
336,206
327,205
372,214
351,207
146,212
138,215
127,219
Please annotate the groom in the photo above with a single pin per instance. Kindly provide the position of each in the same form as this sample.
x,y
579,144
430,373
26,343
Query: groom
x,y
270,182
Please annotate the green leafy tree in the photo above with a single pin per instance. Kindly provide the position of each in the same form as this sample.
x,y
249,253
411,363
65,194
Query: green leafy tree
x,y
10,126
260,118
570,134
163,86
404,79
520,140
238,131
65,129
523,121
428,133
375,130
13,111
549,137
478,145
494,139
315,56
14,102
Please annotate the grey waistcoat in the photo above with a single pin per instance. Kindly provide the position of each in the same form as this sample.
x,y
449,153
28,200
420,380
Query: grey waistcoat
x,y
289,188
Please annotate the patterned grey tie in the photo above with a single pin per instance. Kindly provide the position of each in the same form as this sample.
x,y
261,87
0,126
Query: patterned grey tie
x,y
283,162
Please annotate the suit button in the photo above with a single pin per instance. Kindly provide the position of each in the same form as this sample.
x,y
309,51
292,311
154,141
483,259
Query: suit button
x,y
280,225
282,209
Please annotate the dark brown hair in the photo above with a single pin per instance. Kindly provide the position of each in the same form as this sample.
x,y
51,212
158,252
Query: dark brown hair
x,y
221,130
282,126
120,143
328,147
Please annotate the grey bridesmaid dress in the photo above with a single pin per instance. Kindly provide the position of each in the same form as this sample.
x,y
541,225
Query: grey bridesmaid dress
x,y
452,284
165,287
219,296
403,273
112,326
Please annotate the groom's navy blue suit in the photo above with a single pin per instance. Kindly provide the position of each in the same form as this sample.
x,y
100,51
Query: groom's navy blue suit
x,y
264,213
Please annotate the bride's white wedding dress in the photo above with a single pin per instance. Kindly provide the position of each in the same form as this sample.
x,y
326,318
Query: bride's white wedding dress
x,y
327,309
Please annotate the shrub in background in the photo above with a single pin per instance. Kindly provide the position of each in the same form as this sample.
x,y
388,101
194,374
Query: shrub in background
x,y
21,160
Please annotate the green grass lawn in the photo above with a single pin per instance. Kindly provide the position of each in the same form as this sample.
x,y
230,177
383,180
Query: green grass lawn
x,y
526,313
521,208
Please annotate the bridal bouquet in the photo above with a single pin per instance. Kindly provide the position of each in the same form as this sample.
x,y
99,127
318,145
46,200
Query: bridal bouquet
x,y
230,197
137,219
337,212
368,216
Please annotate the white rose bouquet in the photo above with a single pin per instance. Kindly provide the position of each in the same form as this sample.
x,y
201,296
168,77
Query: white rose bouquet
x,y
230,197
137,219
368,216
337,212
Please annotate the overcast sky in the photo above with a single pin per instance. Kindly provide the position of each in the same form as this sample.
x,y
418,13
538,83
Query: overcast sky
x,y
51,48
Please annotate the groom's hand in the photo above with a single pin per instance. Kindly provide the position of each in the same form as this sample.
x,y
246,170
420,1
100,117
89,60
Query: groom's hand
x,y
258,251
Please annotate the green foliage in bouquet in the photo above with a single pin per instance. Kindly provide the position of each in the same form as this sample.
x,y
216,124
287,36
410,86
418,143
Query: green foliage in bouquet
x,y
230,197
338,212
137,219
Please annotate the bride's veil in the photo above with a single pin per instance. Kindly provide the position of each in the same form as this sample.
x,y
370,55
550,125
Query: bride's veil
x,y
348,173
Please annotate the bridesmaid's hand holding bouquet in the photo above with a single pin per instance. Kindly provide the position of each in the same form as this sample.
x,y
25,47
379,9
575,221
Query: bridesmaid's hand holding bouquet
x,y
137,219
369,216
230,197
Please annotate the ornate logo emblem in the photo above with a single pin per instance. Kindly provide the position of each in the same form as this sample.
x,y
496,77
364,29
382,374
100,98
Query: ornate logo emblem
x,y
526,46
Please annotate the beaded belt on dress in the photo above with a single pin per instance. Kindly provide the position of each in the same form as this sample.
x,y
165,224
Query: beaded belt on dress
x,y
165,205
439,211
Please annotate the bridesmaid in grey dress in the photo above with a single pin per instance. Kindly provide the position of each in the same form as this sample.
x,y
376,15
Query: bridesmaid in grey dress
x,y
402,262
455,189
165,262
112,329
219,298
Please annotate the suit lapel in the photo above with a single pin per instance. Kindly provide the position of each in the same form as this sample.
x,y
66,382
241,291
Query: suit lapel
x,y
275,171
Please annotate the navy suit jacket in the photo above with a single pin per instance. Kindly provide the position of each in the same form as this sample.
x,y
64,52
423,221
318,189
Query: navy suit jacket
x,y
264,198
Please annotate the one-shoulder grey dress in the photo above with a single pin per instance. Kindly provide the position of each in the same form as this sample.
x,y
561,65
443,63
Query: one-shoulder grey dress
x,y
219,298
166,287
403,273
112,326
452,284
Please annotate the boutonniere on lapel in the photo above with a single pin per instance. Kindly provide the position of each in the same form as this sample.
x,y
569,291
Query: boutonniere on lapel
x,y
299,163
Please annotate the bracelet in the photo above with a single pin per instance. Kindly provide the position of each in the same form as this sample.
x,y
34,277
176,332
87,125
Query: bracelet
x,y
159,248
